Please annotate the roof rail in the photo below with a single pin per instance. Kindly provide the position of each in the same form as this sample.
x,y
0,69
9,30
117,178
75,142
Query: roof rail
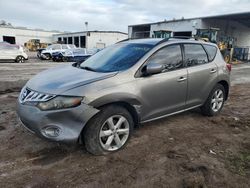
x,y
123,40
177,37
181,37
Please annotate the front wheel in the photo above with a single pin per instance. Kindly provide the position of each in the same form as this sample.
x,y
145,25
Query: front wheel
x,y
108,131
20,59
47,56
215,101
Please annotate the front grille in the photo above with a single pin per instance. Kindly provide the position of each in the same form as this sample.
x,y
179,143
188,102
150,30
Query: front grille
x,y
28,95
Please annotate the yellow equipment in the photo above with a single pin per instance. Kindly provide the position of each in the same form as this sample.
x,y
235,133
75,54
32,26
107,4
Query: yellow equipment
x,y
35,44
225,43
162,34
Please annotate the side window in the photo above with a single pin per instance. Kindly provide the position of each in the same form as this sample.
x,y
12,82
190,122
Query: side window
x,y
169,56
195,55
56,47
65,47
211,51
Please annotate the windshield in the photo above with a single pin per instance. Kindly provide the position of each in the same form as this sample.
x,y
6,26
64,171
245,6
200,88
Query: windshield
x,y
117,57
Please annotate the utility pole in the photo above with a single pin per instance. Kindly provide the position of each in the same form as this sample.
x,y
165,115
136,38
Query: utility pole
x,y
86,25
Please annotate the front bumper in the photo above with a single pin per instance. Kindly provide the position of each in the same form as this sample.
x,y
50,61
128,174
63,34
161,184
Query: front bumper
x,y
69,122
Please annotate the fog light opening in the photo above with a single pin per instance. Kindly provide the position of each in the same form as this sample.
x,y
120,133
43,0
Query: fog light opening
x,y
52,131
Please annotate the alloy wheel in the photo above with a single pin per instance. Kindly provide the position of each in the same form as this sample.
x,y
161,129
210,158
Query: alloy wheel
x,y
114,133
20,59
217,100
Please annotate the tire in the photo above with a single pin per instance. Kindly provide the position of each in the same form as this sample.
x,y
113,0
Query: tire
x,y
48,56
20,59
98,132
64,59
215,101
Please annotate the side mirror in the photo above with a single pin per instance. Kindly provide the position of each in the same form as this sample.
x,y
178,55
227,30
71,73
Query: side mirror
x,y
153,68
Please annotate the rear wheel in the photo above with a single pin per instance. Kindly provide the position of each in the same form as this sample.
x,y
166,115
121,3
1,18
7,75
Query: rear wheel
x,y
108,131
215,101
64,59
20,59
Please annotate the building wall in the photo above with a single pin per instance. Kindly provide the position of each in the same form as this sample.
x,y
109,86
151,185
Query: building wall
x,y
227,27
230,28
67,35
177,26
24,35
98,39
130,30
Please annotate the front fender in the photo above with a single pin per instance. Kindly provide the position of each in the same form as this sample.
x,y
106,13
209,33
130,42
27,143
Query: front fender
x,y
118,97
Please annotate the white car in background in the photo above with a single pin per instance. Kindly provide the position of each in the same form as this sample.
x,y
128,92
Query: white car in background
x,y
12,52
47,52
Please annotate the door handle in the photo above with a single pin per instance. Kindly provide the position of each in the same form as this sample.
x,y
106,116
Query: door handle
x,y
181,79
213,71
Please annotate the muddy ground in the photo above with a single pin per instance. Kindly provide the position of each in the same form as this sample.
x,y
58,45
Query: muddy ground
x,y
185,150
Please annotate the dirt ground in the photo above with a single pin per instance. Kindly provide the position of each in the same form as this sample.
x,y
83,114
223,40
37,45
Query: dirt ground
x,y
185,150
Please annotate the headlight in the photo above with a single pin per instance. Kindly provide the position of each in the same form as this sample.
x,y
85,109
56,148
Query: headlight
x,y
60,102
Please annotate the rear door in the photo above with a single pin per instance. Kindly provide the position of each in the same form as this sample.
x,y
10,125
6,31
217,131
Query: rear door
x,y
202,74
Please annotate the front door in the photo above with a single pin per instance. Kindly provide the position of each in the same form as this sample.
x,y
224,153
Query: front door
x,y
165,92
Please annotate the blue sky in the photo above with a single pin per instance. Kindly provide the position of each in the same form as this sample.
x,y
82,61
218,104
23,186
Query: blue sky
x,y
70,15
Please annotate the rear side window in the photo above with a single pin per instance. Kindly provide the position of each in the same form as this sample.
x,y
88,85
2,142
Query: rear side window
x,y
64,47
195,55
211,51
56,47
169,56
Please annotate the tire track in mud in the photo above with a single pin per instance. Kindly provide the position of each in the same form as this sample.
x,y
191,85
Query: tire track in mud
x,y
49,156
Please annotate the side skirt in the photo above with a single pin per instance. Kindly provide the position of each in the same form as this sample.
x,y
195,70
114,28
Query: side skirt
x,y
160,117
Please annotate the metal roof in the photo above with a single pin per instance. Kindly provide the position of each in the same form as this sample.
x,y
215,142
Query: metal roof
x,y
243,18
96,31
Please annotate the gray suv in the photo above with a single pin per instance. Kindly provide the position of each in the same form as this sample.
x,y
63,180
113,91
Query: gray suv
x,y
100,102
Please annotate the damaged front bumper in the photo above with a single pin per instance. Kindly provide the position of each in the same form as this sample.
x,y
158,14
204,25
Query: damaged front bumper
x,y
63,125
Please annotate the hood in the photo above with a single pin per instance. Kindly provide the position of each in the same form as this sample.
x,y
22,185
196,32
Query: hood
x,y
60,79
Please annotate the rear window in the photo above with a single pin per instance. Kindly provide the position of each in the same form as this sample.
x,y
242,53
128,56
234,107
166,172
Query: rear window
x,y
195,55
211,51
8,47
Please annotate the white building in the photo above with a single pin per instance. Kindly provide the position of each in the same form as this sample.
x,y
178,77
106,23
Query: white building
x,y
21,35
232,25
91,39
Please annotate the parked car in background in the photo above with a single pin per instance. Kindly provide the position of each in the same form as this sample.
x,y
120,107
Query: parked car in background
x,y
78,55
131,82
46,54
12,52
39,52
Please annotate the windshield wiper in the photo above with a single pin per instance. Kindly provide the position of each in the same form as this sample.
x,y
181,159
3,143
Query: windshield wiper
x,y
88,68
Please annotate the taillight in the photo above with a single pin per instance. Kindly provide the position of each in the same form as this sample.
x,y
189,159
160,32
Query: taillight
x,y
229,67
